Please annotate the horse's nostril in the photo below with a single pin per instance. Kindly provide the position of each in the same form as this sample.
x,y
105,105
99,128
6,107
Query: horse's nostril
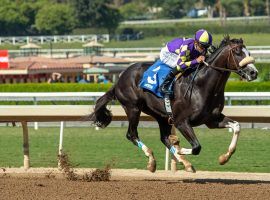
x,y
254,74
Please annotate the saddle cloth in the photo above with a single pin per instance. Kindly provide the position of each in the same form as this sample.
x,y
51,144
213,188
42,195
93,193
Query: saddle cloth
x,y
154,76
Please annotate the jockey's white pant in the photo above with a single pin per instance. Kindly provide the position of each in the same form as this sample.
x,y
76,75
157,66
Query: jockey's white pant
x,y
168,57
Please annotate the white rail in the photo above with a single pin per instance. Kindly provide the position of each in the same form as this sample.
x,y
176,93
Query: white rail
x,y
195,20
261,53
252,49
258,96
54,39
35,97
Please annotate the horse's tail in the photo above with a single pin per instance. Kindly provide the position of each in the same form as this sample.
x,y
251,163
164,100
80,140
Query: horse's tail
x,y
101,116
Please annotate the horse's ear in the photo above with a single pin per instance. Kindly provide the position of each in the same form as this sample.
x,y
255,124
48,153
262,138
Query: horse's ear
x,y
241,41
227,38
225,41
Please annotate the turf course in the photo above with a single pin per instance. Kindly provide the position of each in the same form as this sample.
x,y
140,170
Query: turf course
x,y
87,147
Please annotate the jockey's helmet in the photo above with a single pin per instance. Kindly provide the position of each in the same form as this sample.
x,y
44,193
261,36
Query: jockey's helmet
x,y
204,38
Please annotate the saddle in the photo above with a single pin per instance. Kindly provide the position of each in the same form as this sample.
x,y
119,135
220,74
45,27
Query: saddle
x,y
153,77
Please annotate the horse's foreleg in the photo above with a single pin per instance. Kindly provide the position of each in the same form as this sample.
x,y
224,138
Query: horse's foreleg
x,y
188,132
226,122
171,141
132,135
176,151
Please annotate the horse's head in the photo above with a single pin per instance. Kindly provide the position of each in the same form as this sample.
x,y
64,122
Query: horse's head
x,y
232,55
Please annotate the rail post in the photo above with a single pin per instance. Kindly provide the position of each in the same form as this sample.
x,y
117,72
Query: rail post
x,y
61,136
26,160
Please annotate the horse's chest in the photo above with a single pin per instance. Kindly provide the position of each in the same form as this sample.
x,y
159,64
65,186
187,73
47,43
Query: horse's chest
x,y
209,109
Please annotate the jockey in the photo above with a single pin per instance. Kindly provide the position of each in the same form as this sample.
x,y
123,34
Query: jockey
x,y
181,53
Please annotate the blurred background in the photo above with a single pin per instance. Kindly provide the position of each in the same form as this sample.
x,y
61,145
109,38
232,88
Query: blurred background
x,y
94,41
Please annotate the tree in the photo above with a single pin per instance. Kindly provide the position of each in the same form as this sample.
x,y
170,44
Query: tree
x,y
134,10
176,8
267,9
154,3
246,4
257,7
211,5
12,20
110,19
55,19
96,13
233,7
29,10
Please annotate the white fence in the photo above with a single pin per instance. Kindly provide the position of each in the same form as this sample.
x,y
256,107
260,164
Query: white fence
x,y
196,20
54,39
35,97
248,96
261,53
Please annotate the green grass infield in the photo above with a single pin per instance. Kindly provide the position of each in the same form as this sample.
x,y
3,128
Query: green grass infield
x,y
88,148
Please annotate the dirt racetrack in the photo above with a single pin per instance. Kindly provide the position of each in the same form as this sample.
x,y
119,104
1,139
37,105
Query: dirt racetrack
x,y
134,184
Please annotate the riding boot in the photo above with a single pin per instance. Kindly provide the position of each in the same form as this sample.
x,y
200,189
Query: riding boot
x,y
165,86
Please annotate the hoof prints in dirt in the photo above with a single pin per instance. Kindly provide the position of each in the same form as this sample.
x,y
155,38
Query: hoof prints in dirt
x,y
95,175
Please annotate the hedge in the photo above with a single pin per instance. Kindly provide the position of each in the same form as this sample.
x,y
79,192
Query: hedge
x,y
263,69
55,87
186,28
241,86
174,29
232,86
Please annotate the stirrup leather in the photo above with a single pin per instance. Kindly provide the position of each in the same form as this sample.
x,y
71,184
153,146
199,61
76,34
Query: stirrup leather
x,y
168,108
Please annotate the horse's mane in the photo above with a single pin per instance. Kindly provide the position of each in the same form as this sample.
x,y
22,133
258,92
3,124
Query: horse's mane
x,y
216,49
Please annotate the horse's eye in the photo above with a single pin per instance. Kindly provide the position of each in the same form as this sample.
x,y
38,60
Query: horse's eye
x,y
238,51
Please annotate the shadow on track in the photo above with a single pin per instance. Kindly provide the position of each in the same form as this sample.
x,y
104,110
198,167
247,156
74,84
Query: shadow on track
x,y
224,181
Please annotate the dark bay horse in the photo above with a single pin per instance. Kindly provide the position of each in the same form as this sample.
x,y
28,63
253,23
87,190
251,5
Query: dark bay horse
x,y
203,103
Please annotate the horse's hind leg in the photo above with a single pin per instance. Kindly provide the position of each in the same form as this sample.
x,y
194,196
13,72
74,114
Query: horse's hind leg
x,y
171,141
133,115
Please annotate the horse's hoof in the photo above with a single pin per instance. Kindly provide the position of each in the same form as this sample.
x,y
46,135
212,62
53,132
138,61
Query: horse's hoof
x,y
152,166
222,159
190,169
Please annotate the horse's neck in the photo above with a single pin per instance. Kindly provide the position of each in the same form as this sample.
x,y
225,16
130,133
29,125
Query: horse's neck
x,y
216,79
211,79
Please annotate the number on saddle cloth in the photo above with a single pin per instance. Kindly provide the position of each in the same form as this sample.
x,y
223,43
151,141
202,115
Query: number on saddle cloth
x,y
154,76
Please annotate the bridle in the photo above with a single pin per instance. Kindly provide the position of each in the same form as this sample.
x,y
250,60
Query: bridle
x,y
233,47
236,65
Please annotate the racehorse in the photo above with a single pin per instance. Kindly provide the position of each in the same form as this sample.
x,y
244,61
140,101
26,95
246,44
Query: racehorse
x,y
203,103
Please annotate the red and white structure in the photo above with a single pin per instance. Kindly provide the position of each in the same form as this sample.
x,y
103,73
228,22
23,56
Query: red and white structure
x,y
4,61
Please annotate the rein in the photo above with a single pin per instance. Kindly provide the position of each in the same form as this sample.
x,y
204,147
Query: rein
x,y
220,69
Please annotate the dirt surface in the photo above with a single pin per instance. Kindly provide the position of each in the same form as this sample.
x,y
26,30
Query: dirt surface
x,y
133,184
